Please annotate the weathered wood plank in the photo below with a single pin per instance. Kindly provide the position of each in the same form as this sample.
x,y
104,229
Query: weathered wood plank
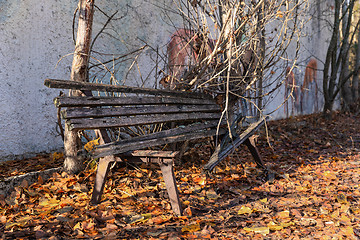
x,y
170,183
135,110
234,144
125,121
125,147
165,133
66,84
152,153
121,101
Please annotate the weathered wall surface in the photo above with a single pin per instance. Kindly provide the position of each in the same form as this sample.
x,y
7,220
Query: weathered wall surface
x,y
34,35
306,96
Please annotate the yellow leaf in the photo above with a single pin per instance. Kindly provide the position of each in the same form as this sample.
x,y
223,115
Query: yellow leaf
x,y
49,203
330,175
288,224
349,231
57,156
345,220
264,200
191,228
199,180
20,222
90,145
244,210
261,230
146,216
274,227
344,208
140,218
283,214
78,226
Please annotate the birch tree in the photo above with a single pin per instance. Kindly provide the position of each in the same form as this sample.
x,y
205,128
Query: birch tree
x,y
79,72
336,74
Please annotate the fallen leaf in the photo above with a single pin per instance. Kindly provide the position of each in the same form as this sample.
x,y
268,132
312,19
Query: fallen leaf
x,y
90,145
264,200
212,195
57,155
187,211
274,227
341,198
283,214
262,230
245,210
191,228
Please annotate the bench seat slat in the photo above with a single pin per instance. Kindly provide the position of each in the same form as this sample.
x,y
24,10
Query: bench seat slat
x,y
125,121
121,101
135,110
234,144
166,133
141,144
151,153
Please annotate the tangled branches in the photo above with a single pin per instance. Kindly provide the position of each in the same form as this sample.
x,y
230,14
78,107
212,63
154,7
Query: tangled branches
x,y
234,49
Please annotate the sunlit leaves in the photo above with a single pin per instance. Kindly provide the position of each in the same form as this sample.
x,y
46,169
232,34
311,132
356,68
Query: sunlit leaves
x,y
315,195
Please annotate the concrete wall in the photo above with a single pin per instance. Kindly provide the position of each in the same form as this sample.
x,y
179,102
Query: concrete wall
x,y
313,42
34,35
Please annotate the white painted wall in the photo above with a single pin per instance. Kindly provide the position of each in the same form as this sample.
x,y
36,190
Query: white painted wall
x,y
314,41
33,35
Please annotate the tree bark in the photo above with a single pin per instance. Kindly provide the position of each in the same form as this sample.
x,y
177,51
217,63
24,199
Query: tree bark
x,y
260,65
356,79
330,68
346,89
79,72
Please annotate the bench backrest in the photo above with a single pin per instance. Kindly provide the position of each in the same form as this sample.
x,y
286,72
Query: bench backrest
x,y
144,107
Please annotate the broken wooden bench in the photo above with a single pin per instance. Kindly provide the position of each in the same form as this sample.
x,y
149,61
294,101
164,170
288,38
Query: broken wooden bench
x,y
197,113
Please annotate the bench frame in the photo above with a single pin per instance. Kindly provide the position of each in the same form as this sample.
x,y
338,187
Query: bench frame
x,y
109,151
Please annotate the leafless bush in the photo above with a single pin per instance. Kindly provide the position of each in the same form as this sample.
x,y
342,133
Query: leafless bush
x,y
241,52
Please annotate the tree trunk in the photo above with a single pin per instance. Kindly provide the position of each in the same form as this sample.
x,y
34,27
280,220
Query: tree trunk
x,y
331,66
356,78
260,65
73,164
346,95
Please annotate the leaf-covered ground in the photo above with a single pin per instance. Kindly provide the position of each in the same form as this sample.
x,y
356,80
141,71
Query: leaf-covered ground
x,y
315,195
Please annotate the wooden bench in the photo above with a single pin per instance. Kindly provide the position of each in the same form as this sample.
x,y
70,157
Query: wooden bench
x,y
197,113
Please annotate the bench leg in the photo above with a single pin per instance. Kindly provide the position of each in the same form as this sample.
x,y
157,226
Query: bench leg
x,y
170,182
100,179
250,143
